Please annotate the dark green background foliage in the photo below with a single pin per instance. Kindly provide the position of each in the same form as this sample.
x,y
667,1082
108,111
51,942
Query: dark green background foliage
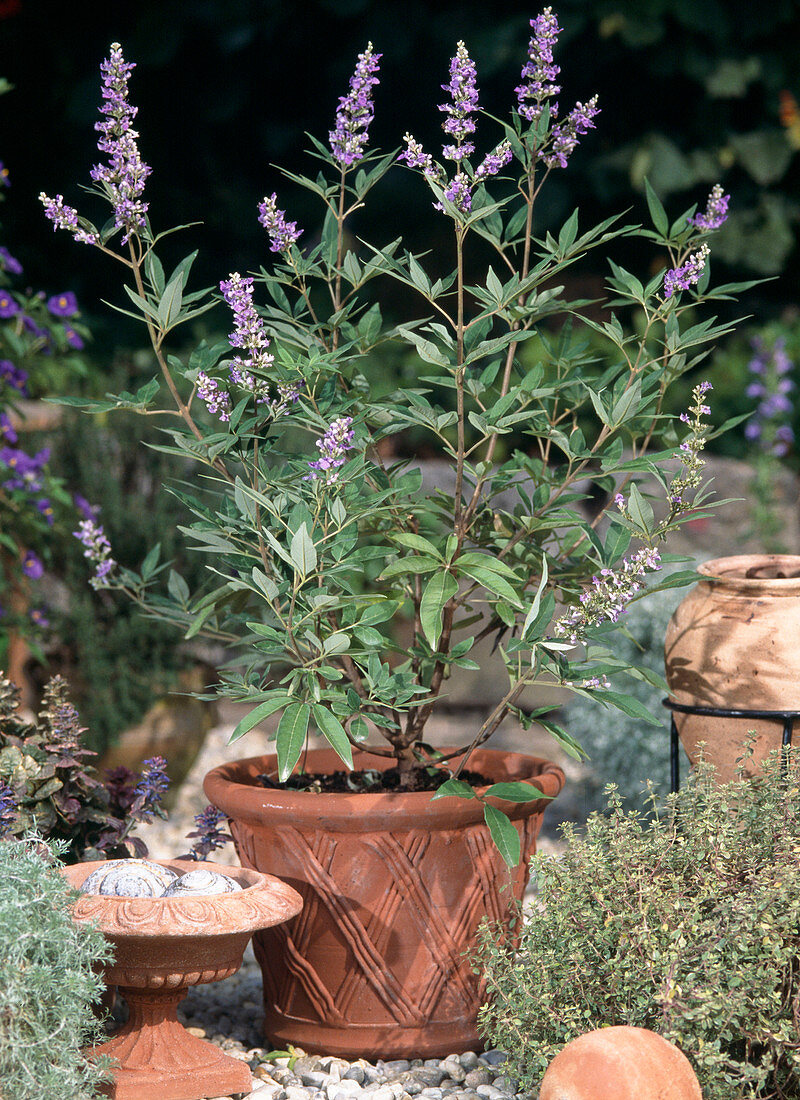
x,y
117,661
689,92
687,925
46,982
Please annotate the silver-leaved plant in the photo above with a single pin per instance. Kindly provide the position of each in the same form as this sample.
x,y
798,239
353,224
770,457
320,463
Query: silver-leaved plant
x,y
317,544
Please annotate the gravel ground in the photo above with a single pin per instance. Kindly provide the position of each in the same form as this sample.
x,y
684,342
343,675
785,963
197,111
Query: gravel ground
x,y
230,1013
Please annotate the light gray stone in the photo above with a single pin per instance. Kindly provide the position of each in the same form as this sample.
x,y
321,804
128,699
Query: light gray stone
x,y
355,1073
507,1085
478,1076
454,1070
469,1059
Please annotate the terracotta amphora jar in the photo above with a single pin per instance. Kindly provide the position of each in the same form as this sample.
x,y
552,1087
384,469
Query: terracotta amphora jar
x,y
734,642
620,1063
394,886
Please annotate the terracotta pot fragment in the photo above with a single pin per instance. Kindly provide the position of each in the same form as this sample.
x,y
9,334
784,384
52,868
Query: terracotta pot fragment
x,y
620,1063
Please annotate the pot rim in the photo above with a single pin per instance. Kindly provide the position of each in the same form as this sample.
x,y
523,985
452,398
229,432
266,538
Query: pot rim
x,y
230,787
731,572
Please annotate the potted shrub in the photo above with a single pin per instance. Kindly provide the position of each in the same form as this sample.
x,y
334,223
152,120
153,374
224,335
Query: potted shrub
x,y
317,545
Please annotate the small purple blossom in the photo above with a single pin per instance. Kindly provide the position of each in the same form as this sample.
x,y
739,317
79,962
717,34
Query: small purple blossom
x,y
8,305
32,565
9,263
7,432
66,217
716,212
72,338
13,376
63,305
217,400
333,446
688,274
4,180
540,71
355,111
123,178
87,510
24,468
45,508
458,192
39,618
97,549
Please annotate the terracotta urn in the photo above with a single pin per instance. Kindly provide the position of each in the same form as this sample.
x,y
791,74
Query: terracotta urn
x,y
162,946
732,643
394,886
623,1063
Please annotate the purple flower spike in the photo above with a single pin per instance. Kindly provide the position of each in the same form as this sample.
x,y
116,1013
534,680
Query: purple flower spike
x,y
716,211
97,549
688,274
63,305
564,135
540,71
153,782
282,234
464,95
8,810
356,111
416,157
123,178
217,401
333,446
494,162
249,335
66,217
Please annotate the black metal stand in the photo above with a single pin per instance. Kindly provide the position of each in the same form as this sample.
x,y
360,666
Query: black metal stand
x,y
786,716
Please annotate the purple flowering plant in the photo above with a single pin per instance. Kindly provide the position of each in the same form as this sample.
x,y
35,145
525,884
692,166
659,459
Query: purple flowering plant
x,y
316,543
40,342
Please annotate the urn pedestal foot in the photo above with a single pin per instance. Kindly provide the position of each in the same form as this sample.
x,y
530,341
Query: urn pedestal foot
x,y
157,1058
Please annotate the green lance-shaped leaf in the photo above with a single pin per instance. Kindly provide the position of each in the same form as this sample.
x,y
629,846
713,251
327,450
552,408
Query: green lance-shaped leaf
x,y
334,733
262,711
504,835
304,554
291,737
453,787
439,589
515,792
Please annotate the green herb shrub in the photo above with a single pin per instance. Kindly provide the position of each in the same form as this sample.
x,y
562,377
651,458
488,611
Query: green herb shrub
x,y
687,923
622,749
47,784
48,980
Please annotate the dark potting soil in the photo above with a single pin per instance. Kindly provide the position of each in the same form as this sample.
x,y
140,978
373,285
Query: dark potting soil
x,y
370,781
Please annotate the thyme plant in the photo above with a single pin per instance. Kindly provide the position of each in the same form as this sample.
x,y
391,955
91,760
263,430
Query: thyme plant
x,y
316,543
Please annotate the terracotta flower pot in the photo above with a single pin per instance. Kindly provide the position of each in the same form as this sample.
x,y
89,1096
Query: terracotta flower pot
x,y
626,1063
394,886
733,643
162,946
